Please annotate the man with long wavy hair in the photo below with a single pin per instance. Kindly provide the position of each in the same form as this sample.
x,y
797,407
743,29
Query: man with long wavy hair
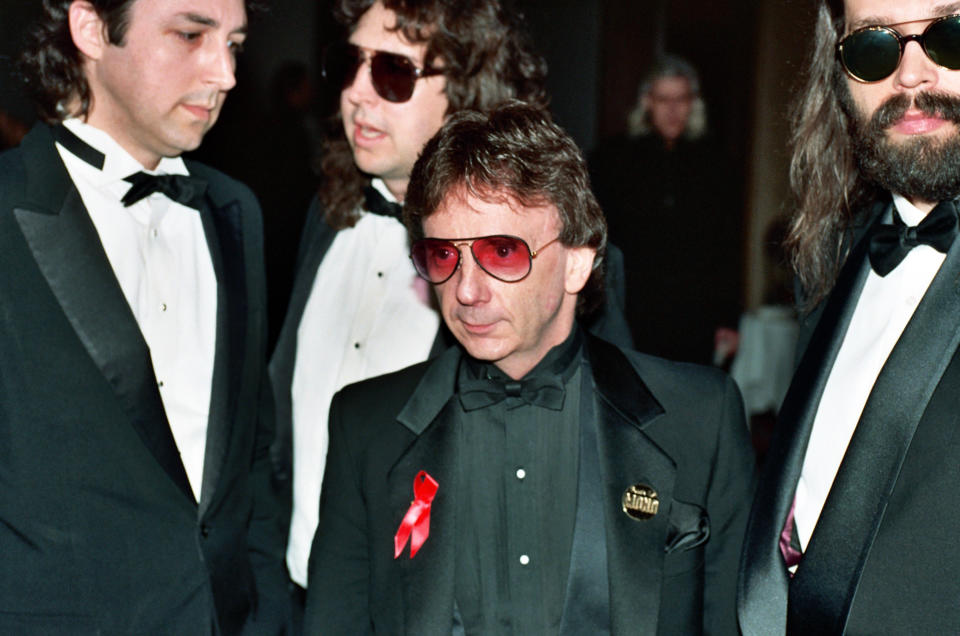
x,y
853,528
136,490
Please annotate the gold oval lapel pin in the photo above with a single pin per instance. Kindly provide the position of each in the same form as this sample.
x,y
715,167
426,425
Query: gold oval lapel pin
x,y
640,502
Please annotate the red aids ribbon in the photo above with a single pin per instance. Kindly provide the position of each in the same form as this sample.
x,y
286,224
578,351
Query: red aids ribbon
x,y
417,519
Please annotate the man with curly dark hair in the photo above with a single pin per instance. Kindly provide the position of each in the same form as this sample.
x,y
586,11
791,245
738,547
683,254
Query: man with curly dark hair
x,y
135,488
357,308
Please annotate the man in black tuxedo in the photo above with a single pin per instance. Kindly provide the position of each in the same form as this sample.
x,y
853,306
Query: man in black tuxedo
x,y
854,525
560,484
135,492
358,309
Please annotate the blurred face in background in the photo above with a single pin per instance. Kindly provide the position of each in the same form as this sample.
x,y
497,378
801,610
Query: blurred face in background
x,y
669,104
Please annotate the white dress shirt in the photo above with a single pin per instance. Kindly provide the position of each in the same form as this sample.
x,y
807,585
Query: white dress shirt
x,y
368,314
883,310
159,254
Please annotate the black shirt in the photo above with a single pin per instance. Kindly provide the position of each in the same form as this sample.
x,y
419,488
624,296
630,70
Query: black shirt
x,y
517,501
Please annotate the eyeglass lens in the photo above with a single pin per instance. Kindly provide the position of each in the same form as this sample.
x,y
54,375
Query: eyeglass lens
x,y
873,53
393,76
506,258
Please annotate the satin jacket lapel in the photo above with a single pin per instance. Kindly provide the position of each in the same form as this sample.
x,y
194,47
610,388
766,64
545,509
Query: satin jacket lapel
x,y
317,238
827,579
629,455
428,578
68,251
222,227
763,581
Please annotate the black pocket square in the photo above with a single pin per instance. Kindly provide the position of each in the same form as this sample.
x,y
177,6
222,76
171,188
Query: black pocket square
x,y
689,527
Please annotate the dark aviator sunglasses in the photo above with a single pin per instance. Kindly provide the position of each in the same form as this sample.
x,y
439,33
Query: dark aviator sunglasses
x,y
393,76
873,53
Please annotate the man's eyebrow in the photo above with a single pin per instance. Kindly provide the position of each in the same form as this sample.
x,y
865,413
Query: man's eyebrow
x,y
874,20
210,22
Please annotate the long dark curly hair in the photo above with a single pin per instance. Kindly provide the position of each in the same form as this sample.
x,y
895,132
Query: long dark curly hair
x,y
487,59
824,175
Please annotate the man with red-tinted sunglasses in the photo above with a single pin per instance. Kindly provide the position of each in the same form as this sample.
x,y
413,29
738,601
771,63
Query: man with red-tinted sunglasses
x,y
534,479
854,529
357,308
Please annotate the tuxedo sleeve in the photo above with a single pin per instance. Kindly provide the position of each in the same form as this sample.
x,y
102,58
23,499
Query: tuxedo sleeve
x,y
339,574
269,520
728,505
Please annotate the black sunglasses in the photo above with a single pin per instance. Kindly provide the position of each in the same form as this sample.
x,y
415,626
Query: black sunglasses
x,y
393,76
873,53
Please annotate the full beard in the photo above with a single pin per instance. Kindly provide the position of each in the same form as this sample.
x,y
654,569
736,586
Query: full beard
x,y
923,168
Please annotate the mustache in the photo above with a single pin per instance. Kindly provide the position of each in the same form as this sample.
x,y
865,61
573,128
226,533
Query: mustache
x,y
932,104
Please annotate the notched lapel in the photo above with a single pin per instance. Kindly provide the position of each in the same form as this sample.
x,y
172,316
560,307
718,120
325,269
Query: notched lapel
x,y
68,252
628,456
763,581
840,546
428,578
223,229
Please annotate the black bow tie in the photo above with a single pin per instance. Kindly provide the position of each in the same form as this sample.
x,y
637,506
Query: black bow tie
x,y
376,203
890,244
545,391
178,187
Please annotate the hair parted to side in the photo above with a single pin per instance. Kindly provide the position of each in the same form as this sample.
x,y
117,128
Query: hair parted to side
x,y
514,152
667,65
52,66
487,58
824,175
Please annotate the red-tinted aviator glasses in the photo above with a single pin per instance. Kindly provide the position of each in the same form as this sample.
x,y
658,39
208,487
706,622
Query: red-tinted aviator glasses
x,y
393,76
506,258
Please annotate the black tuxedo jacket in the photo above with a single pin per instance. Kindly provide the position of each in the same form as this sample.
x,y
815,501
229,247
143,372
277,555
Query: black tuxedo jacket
x,y
609,322
676,427
883,557
100,532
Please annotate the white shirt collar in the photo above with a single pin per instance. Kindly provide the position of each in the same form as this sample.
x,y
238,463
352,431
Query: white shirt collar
x,y
118,163
910,214
382,188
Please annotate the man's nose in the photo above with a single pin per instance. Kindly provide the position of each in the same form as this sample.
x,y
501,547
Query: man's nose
x,y
361,88
916,68
222,66
473,284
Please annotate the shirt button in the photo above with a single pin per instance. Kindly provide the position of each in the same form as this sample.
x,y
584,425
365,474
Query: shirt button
x,y
524,559
163,306
205,531
379,274
154,232
521,473
356,345
160,384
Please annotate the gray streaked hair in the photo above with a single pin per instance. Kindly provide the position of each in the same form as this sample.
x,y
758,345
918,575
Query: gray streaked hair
x,y
667,65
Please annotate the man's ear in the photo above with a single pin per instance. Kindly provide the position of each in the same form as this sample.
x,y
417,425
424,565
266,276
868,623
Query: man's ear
x,y
579,267
87,29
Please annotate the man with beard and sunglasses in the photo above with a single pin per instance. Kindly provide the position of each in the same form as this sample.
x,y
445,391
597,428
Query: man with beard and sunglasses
x,y
534,479
136,492
357,308
853,529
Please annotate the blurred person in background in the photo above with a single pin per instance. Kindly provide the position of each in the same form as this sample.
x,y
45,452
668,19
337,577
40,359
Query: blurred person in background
x,y
675,216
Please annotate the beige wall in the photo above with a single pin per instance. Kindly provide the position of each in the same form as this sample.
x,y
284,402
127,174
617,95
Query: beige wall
x,y
783,40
